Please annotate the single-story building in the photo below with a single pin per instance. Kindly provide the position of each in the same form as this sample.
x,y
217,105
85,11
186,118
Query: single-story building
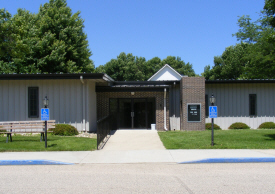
x,y
168,100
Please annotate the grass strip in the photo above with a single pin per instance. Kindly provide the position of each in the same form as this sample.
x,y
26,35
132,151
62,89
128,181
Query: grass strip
x,y
22,143
223,139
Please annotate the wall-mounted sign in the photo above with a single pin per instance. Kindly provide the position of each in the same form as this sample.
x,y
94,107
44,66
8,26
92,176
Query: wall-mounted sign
x,y
194,112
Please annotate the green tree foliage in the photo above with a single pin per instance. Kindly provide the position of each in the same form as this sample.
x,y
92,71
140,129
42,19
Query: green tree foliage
x,y
51,41
259,56
254,57
230,65
179,65
131,68
270,11
125,67
7,41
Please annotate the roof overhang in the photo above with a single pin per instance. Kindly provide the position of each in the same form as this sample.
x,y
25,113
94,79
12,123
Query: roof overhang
x,y
98,77
137,86
231,81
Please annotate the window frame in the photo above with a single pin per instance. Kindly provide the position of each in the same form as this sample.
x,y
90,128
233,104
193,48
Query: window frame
x,y
206,106
250,104
30,104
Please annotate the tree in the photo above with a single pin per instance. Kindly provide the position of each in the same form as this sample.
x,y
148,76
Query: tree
x,y
253,59
259,55
130,68
63,43
125,68
152,66
230,65
270,11
51,41
6,41
179,65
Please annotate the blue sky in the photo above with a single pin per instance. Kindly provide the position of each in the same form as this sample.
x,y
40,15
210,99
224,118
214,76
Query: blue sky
x,y
195,30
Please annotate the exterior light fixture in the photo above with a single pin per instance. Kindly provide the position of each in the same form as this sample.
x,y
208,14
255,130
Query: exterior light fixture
x,y
46,102
212,100
132,93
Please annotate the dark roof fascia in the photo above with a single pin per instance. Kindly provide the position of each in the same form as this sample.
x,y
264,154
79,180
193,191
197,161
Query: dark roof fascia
x,y
131,89
155,83
239,81
55,76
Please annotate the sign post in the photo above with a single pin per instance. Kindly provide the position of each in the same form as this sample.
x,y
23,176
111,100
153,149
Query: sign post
x,y
45,116
213,113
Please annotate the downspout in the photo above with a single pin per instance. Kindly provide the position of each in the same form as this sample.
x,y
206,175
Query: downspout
x,y
174,93
83,104
164,109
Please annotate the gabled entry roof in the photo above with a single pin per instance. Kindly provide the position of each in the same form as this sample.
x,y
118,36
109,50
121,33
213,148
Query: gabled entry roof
x,y
166,73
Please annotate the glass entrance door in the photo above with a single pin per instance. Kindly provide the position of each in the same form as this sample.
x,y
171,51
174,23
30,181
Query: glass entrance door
x,y
133,113
125,113
140,113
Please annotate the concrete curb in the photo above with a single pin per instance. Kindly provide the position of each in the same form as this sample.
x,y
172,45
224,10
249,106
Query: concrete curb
x,y
232,160
33,162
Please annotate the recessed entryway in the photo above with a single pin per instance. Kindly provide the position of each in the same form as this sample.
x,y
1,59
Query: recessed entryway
x,y
133,113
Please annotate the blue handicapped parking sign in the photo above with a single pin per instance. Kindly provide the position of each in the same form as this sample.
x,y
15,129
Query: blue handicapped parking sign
x,y
45,114
213,111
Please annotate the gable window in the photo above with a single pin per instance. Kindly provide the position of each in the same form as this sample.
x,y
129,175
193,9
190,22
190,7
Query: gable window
x,y
252,104
33,103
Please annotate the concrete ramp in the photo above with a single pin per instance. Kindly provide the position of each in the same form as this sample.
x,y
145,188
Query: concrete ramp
x,y
134,140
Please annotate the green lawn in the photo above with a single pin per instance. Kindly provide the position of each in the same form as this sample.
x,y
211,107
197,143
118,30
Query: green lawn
x,y
223,139
55,143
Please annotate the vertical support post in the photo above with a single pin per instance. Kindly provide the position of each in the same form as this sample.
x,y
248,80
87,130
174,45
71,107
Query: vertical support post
x,y
212,132
164,110
46,129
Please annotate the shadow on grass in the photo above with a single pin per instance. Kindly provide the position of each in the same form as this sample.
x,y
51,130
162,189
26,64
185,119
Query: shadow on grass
x,y
271,136
52,145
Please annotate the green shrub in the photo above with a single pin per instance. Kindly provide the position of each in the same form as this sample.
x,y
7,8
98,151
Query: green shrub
x,y
267,125
2,130
208,126
239,126
64,130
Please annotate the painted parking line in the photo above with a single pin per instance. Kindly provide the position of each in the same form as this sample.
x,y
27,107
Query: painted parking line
x,y
33,162
232,160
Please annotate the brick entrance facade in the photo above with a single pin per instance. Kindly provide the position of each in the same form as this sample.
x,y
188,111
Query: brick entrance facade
x,y
192,90
103,104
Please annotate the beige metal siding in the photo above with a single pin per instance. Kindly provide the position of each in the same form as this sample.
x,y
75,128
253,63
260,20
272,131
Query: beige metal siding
x,y
91,105
233,103
174,107
65,101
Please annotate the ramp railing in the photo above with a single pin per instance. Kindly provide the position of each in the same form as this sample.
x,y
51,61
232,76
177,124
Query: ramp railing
x,y
104,127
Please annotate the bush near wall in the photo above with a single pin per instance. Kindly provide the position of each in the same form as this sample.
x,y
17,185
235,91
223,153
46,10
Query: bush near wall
x,y
64,130
208,126
267,125
239,126
2,130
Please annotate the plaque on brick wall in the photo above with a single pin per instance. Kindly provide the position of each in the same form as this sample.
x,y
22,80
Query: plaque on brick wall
x,y
194,112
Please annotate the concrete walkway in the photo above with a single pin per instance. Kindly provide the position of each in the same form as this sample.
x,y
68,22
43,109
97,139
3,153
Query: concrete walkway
x,y
137,146
134,140
141,156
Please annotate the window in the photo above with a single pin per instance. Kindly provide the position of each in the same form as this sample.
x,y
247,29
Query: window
x,y
206,106
33,102
252,104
